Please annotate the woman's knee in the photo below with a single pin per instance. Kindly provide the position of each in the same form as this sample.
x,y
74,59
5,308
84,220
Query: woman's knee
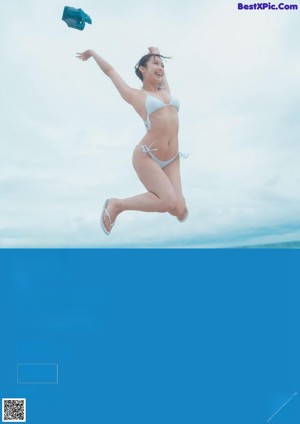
x,y
169,202
179,207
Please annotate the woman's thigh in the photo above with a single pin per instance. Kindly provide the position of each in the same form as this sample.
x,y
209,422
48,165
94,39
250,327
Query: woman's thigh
x,y
172,171
153,177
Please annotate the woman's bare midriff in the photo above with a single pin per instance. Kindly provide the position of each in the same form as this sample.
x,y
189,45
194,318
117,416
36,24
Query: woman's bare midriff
x,y
164,132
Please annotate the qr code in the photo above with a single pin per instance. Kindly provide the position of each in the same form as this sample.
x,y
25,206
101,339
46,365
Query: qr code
x,y
13,410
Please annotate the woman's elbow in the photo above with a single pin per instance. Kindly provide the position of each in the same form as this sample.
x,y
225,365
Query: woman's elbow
x,y
109,71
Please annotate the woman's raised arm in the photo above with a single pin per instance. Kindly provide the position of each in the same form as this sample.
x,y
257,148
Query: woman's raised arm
x,y
128,93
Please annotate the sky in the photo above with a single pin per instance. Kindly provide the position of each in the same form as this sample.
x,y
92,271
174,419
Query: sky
x,y
67,136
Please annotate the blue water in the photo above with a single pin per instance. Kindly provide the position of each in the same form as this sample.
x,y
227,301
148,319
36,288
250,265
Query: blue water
x,y
285,245
153,336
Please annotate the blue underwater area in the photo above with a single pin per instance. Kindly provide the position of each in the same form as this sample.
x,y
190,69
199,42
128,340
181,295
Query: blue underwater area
x,y
151,336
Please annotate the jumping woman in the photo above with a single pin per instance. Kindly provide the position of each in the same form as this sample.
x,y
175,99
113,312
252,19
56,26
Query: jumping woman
x,y
160,171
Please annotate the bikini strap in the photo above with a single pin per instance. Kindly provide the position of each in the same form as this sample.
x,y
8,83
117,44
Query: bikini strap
x,y
146,149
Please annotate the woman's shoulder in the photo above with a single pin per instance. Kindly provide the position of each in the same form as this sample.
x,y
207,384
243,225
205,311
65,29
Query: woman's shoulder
x,y
139,92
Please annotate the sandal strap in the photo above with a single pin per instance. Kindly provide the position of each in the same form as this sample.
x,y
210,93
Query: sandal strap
x,y
109,218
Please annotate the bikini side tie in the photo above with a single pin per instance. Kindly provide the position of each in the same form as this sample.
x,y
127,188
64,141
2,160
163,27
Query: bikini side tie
x,y
184,155
146,149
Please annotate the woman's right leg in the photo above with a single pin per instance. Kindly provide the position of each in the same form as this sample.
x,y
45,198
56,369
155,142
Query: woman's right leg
x,y
160,195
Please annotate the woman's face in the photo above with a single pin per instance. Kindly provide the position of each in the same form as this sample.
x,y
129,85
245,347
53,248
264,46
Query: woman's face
x,y
154,69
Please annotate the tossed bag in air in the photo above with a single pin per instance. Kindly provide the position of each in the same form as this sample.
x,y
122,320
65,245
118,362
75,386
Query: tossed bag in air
x,y
75,18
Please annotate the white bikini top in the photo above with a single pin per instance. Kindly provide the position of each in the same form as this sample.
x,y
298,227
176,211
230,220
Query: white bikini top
x,y
153,104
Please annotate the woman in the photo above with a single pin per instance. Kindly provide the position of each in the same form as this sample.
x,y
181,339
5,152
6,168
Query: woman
x,y
159,172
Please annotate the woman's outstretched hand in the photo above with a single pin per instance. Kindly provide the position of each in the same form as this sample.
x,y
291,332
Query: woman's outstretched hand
x,y
153,50
85,55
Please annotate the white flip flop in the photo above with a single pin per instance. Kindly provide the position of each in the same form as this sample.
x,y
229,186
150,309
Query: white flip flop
x,y
105,211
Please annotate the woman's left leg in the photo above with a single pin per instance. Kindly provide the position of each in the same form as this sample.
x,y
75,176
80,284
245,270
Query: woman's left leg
x,y
173,173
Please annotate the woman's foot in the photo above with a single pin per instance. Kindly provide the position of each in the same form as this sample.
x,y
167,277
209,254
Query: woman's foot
x,y
184,216
109,214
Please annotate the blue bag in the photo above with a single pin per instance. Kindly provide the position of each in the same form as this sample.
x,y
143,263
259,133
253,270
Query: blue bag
x,y
75,18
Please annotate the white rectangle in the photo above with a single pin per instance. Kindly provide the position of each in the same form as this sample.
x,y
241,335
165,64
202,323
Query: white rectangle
x,y
37,373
